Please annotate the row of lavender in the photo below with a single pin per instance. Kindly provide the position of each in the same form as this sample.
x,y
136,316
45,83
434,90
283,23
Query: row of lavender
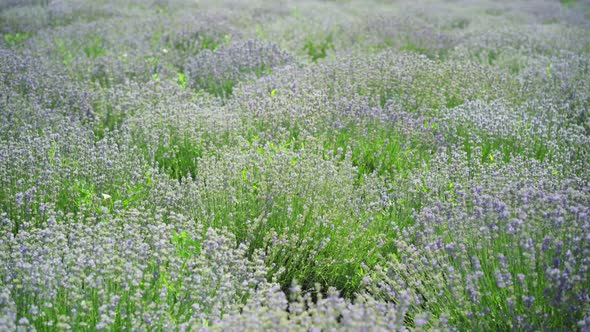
x,y
185,165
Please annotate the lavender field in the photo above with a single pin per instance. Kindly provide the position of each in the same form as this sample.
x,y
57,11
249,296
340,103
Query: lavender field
x,y
314,165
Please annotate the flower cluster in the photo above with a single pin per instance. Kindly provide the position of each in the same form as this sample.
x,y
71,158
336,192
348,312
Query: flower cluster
x,y
309,165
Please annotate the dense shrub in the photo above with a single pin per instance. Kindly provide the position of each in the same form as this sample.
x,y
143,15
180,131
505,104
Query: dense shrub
x,y
318,165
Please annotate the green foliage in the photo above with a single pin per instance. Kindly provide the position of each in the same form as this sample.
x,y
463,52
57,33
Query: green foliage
x,y
330,174
95,48
63,52
180,156
412,46
67,52
219,88
186,246
223,88
109,119
15,39
492,56
381,149
188,45
87,197
460,23
182,81
567,2
318,49
508,147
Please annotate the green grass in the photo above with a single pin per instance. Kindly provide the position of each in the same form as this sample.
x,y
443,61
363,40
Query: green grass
x,y
94,48
318,49
380,148
415,47
568,2
223,87
15,39
181,158
276,193
109,119
508,147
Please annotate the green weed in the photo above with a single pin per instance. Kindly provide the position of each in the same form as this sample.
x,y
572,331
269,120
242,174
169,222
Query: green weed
x,y
95,48
318,49
15,39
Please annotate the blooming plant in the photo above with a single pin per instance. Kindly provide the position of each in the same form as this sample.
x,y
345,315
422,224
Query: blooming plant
x,y
310,165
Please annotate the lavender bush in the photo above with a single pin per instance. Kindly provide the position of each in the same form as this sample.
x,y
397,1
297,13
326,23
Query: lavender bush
x,y
313,165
